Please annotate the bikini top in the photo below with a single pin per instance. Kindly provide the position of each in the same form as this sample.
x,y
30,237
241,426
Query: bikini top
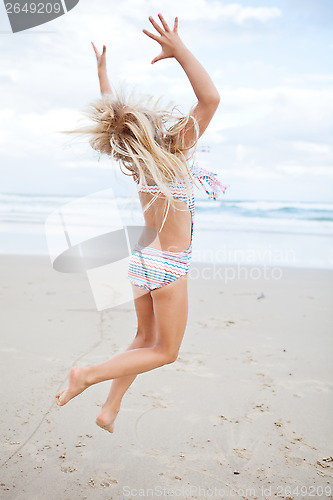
x,y
178,191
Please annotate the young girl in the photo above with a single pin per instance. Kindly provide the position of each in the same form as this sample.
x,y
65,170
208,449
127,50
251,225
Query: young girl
x,y
136,134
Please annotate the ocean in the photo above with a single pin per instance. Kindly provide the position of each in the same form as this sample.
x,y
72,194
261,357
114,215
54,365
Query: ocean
x,y
237,232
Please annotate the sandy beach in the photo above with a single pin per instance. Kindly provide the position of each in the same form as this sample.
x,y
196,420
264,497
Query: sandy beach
x,y
244,412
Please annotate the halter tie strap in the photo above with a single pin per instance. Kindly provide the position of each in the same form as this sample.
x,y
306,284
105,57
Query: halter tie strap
x,y
211,179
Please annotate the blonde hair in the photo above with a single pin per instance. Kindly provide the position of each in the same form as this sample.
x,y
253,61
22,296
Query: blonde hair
x,y
146,139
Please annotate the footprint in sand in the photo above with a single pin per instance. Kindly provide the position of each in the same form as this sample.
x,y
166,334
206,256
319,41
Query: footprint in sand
x,y
219,420
249,359
266,380
102,481
157,401
67,468
190,361
293,438
257,411
215,323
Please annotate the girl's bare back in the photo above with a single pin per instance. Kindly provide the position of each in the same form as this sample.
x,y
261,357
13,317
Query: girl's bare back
x,y
175,235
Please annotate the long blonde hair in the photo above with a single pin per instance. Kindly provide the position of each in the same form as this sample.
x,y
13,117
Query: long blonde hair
x,y
134,131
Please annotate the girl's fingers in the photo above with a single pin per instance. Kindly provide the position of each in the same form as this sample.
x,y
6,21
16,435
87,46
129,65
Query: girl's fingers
x,y
175,27
154,37
165,26
156,26
96,51
158,58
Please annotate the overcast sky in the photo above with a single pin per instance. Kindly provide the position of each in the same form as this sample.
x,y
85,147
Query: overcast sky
x,y
271,137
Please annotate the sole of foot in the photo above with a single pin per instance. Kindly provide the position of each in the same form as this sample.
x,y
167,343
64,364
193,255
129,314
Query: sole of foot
x,y
106,420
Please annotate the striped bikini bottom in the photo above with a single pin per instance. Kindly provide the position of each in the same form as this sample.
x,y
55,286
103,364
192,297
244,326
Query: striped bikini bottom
x,y
150,268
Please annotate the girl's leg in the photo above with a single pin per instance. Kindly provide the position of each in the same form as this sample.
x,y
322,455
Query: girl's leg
x,y
145,337
119,386
170,309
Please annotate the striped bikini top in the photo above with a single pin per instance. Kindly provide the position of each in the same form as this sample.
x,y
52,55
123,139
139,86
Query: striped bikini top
x,y
179,192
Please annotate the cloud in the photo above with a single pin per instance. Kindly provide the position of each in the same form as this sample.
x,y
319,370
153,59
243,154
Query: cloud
x,y
312,147
193,10
301,170
307,78
312,13
252,171
273,124
278,113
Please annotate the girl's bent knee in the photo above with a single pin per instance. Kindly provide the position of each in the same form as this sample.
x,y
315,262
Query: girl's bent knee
x,y
166,356
172,358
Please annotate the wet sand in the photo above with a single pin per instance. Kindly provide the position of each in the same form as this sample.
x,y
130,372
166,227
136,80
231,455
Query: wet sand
x,y
244,412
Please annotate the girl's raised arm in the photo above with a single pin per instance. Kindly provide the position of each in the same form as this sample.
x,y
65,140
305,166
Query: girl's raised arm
x,y
203,87
101,67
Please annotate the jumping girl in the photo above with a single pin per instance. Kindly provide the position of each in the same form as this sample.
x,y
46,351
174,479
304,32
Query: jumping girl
x,y
135,133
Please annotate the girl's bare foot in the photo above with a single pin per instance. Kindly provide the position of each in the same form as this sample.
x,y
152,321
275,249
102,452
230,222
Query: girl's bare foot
x,y
106,418
77,384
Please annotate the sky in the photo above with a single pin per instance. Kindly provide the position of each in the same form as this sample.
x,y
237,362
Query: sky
x,y
271,61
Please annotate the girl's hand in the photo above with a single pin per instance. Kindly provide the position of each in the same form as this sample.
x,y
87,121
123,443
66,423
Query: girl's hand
x,y
169,40
101,61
